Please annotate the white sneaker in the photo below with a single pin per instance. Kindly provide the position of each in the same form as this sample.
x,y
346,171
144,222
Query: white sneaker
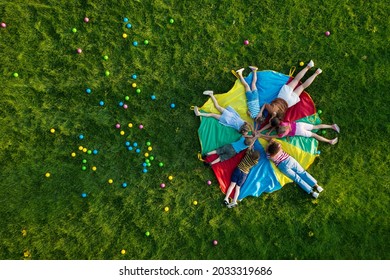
x,y
239,71
319,71
311,63
336,128
319,189
334,141
208,92
253,68
232,205
315,194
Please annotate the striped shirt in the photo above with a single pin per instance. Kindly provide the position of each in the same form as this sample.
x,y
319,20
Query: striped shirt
x,y
247,162
279,157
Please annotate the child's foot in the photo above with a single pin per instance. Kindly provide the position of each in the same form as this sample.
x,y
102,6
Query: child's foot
x,y
336,128
333,141
208,92
232,205
253,68
196,111
319,71
319,189
239,71
226,202
315,194
310,64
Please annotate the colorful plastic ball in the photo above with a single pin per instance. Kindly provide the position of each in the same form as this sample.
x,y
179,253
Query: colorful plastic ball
x,y
135,43
123,251
81,148
95,152
85,150
327,33
148,143
150,149
135,144
3,25
107,73
166,209
118,125
318,152
52,130
124,35
246,42
125,19
147,160
81,137
122,132
86,19
171,20
89,152
208,182
125,106
120,104
172,105
128,25
146,154
144,164
130,125
144,170
137,150
83,168
138,90
84,161
147,233
134,76
127,98
105,57
151,157
161,164
127,143
47,175
79,50
101,103
215,242
153,97
15,75
301,63
94,168
146,42
124,185
130,148
110,181
134,85
73,154
74,30
88,90
323,132
195,202
83,195
320,112
140,126
162,185
170,177
149,164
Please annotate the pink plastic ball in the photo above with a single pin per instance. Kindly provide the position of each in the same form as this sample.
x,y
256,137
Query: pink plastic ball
x,y
79,50
215,242
209,182
118,125
3,25
141,126
327,33
162,185
246,42
125,106
86,19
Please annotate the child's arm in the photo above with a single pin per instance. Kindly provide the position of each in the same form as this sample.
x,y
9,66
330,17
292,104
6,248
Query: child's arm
x,y
260,114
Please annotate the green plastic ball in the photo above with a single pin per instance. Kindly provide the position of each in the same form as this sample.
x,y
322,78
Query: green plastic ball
x,y
147,233
74,30
171,20
151,157
16,75
319,112
105,57
146,42
161,164
84,161
323,132
107,73
84,168
138,90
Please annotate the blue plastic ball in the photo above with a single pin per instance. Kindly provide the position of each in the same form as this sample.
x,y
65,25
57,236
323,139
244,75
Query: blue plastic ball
x,y
135,144
138,151
127,143
318,152
88,90
95,152
144,164
83,195
135,43
153,97
124,185
144,170
173,105
130,148
120,103
101,103
125,19
134,76
128,25
81,137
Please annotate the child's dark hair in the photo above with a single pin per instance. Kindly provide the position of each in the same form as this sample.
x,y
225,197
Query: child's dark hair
x,y
273,148
245,128
255,155
249,140
275,122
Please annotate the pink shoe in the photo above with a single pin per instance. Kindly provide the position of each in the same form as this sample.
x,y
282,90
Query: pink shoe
x,y
253,68
334,141
336,128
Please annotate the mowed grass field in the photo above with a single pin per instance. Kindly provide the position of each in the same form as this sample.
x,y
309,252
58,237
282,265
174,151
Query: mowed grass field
x,y
48,217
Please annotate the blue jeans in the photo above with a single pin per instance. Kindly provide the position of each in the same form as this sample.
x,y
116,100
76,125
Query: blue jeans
x,y
293,170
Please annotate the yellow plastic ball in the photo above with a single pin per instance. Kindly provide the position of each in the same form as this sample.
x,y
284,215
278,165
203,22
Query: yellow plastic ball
x,y
81,148
85,150
130,125
150,148
94,168
146,154
124,35
170,178
195,202
52,130
123,251
301,63
73,154
110,181
166,209
47,175
134,85
122,132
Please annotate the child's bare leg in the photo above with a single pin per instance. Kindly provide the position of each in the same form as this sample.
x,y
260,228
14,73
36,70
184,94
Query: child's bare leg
x,y
198,113
236,194
323,139
216,105
322,126
254,77
307,83
229,191
300,75
242,80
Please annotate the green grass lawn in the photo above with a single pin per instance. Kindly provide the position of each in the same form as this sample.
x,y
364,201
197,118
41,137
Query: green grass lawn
x,y
47,218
